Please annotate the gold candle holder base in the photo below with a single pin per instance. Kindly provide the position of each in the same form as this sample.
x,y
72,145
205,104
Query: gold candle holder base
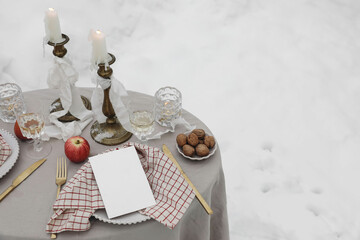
x,y
68,117
60,51
110,132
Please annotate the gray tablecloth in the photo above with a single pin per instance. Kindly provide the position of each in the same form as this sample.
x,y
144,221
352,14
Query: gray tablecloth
x,y
25,211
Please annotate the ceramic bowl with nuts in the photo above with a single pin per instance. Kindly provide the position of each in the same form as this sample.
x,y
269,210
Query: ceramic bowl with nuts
x,y
196,144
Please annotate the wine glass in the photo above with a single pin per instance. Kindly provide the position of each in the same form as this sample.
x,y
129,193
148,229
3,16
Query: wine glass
x,y
142,117
32,126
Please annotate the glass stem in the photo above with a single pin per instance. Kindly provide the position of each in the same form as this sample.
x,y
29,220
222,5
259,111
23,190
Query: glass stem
x,y
37,145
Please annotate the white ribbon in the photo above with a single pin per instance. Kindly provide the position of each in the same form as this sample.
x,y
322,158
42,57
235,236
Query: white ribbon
x,y
63,76
118,98
160,130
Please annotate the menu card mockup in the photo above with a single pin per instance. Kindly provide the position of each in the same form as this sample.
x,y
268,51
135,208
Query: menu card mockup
x,y
122,182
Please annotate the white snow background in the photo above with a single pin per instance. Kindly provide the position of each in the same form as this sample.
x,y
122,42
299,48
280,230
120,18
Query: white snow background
x,y
276,81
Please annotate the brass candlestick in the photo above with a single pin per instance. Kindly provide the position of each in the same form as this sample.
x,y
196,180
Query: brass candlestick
x,y
60,51
110,132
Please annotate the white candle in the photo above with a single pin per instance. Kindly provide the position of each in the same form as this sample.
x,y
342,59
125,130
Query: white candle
x,y
99,52
52,26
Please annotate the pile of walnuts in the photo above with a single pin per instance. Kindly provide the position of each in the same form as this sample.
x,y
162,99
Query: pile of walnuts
x,y
195,142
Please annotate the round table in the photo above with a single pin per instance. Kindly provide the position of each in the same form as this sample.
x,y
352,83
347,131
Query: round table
x,y
25,212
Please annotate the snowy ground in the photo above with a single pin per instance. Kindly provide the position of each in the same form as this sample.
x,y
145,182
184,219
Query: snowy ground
x,y
276,81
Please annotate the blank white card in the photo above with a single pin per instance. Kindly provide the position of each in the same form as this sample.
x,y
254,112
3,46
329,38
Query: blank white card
x,y
122,182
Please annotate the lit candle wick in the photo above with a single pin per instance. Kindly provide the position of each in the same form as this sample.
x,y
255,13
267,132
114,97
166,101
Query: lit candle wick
x,y
52,26
99,53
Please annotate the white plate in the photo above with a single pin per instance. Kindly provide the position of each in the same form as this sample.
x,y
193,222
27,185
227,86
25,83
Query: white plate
x,y
195,157
14,145
130,218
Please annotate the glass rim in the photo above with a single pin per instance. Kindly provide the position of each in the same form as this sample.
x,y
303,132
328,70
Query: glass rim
x,y
173,89
14,85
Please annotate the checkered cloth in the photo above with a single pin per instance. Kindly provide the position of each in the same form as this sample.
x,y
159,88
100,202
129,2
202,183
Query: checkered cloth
x,y
5,150
81,197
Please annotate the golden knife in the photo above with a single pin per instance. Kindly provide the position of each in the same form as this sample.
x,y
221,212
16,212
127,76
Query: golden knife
x,y
22,177
197,194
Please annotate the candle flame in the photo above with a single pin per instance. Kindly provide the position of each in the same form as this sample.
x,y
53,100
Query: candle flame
x,y
51,9
98,32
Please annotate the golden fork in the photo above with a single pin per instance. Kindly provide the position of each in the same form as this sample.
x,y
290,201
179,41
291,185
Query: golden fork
x,y
61,173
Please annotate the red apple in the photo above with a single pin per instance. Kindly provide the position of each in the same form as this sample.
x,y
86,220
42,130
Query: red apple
x,y
77,149
18,132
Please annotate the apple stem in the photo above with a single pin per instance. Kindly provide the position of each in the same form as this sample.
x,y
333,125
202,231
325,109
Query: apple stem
x,y
77,141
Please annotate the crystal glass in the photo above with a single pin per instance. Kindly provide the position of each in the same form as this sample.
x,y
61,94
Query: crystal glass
x,y
32,126
168,105
11,102
142,117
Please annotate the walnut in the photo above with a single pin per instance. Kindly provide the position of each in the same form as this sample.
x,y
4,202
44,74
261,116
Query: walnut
x,y
188,150
209,141
193,139
202,150
181,139
199,132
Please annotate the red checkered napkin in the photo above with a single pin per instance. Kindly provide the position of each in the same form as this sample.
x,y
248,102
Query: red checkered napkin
x,y
80,198
5,150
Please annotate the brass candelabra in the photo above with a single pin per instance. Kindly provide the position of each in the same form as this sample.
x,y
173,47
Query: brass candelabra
x,y
111,132
60,51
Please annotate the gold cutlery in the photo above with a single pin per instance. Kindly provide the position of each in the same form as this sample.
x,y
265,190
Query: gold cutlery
x,y
197,194
61,173
22,177
60,179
